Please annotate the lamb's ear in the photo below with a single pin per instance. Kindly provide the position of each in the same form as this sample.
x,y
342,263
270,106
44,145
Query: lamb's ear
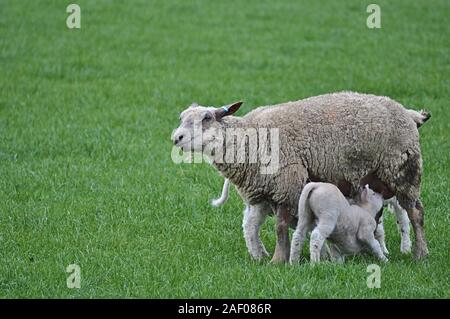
x,y
365,193
227,110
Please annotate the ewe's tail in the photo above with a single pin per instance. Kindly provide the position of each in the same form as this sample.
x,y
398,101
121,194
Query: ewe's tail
x,y
224,197
419,117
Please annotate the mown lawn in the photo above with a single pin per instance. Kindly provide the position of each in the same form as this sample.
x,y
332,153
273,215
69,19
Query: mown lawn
x,y
86,175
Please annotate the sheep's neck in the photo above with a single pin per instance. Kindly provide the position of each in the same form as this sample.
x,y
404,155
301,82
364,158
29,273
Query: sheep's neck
x,y
368,208
237,173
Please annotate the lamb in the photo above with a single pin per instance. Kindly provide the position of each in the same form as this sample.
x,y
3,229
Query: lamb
x,y
323,209
251,226
347,139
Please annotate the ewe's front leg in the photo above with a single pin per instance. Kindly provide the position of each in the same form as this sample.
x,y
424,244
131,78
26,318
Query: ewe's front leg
x,y
282,248
254,217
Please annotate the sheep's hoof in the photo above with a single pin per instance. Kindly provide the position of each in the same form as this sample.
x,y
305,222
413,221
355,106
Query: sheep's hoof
x,y
278,260
405,248
260,256
420,252
295,260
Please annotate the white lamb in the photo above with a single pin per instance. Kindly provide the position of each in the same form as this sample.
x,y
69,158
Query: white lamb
x,y
254,216
323,209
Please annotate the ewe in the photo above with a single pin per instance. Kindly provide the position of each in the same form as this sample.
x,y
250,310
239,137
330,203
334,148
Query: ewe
x,y
347,139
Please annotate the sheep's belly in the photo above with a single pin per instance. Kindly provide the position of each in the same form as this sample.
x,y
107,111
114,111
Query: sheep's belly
x,y
346,242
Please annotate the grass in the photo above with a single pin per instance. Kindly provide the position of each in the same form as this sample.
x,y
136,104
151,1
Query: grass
x,y
86,175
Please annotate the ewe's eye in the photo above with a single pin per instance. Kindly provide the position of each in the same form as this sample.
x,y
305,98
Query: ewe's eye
x,y
207,117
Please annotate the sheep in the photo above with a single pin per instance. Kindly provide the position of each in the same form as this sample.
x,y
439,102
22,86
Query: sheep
x,y
402,222
323,209
224,196
252,224
254,216
347,139
392,203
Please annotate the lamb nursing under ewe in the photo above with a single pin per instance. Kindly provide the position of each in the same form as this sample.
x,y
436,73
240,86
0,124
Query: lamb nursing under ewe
x,y
351,229
347,139
251,226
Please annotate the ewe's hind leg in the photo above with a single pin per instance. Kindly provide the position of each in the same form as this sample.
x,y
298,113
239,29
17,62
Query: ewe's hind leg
x,y
324,228
379,236
282,247
403,225
254,217
408,192
415,214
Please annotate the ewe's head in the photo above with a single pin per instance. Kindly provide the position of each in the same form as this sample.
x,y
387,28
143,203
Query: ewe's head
x,y
371,200
200,126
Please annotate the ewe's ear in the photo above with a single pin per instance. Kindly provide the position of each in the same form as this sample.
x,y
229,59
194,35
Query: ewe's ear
x,y
227,110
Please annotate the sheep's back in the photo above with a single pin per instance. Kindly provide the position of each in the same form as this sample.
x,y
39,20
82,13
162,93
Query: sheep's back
x,y
341,136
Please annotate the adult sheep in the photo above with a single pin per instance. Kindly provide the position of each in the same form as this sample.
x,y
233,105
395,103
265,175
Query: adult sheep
x,y
347,139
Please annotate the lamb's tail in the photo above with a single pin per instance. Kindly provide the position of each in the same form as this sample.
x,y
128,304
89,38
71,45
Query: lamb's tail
x,y
419,117
304,222
224,196
303,207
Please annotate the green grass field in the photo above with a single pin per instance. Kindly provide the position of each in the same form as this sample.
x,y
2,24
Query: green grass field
x,y
86,175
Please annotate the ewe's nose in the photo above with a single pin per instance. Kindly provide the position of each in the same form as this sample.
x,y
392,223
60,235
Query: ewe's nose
x,y
178,138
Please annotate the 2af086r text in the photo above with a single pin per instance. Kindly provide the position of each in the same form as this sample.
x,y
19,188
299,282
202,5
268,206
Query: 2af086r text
x,y
238,308
243,308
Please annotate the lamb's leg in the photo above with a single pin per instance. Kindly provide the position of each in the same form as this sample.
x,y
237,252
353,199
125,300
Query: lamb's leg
x,y
319,235
254,217
335,254
325,253
379,235
282,248
367,237
375,248
403,225
298,237
415,214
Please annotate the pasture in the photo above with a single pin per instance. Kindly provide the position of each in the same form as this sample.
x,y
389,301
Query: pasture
x,y
86,175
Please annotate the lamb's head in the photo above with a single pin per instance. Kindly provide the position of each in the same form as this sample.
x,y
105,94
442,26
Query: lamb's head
x,y
370,200
201,125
